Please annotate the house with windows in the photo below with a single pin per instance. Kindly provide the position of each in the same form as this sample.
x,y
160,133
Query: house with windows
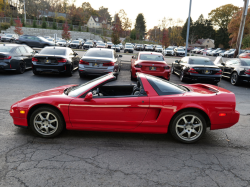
x,y
98,22
203,43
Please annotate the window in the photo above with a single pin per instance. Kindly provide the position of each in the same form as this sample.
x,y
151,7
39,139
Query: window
x,y
151,57
52,51
99,53
28,49
23,50
18,51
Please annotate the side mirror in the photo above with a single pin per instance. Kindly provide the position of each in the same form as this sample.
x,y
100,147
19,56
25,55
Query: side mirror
x,y
75,53
177,61
120,56
223,64
36,52
88,97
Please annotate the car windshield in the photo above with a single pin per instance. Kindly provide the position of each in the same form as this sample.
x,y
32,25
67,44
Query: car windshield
x,y
88,43
109,42
8,35
151,57
158,47
164,87
76,41
52,51
129,46
200,61
169,49
80,89
101,44
5,48
180,49
62,41
50,39
245,62
99,53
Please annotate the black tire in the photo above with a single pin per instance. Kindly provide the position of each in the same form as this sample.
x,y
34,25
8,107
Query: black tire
x,y
21,68
192,131
35,72
69,71
132,78
82,75
172,70
182,78
234,79
59,124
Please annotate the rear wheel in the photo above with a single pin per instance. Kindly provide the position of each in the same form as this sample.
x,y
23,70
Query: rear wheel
x,y
182,78
46,122
82,75
69,71
132,78
21,68
188,127
235,79
172,69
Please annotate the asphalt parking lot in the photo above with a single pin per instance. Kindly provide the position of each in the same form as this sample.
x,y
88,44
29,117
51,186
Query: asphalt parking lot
x,y
78,158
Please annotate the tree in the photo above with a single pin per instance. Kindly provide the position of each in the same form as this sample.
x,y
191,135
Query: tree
x,y
165,39
222,15
191,31
71,26
65,32
117,23
133,34
11,21
79,27
54,24
116,31
23,21
246,42
125,21
140,25
104,13
203,28
44,24
34,23
18,27
222,38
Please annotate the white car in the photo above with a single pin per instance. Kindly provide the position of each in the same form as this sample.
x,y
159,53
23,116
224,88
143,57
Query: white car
x,y
168,51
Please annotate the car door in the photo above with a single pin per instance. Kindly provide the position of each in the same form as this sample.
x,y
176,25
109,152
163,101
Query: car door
x,y
108,112
24,55
29,54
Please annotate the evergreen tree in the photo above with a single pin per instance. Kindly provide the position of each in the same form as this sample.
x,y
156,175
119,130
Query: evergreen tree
x,y
71,26
133,34
44,24
222,38
54,24
34,23
140,25
79,27
23,22
184,30
87,29
11,21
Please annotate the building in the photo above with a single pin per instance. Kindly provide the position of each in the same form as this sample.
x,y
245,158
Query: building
x,y
97,22
203,43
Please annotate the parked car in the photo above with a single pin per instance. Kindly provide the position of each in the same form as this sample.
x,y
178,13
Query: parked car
x,y
128,49
159,48
9,38
217,53
150,63
195,49
109,44
76,44
99,61
138,47
63,43
237,70
101,45
121,46
149,48
152,105
196,69
226,52
116,48
88,44
55,60
168,51
1,35
179,52
244,55
230,54
34,41
15,57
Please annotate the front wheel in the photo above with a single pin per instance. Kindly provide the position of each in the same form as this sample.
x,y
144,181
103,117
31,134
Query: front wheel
x,y
235,79
188,127
182,78
46,122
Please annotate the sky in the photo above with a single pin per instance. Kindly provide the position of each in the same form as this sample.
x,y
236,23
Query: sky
x,y
154,11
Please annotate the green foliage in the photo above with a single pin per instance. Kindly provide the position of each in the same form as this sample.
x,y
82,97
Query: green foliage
x,y
34,23
23,22
140,26
71,26
87,29
222,38
80,27
133,34
184,30
115,35
60,19
5,26
54,24
11,21
44,24
246,42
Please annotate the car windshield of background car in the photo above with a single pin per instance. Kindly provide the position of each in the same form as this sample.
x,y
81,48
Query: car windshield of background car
x,y
43,39
8,35
100,44
180,49
62,41
52,51
76,41
169,49
5,48
151,57
129,46
99,53
201,61
88,43
245,62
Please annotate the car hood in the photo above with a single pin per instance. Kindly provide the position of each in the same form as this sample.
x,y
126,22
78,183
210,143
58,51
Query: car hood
x,y
47,93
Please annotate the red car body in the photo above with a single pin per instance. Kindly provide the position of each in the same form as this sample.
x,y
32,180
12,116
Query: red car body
x,y
151,113
244,55
162,69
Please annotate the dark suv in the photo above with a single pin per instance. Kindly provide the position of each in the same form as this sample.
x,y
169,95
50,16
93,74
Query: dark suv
x,y
34,41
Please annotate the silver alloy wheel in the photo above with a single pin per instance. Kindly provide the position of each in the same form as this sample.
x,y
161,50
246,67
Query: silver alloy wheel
x,y
45,123
234,78
172,70
189,127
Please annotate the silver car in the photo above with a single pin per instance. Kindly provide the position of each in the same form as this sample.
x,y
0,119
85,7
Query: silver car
x,y
99,61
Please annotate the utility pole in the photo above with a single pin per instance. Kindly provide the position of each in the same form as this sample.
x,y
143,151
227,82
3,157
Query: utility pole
x,y
241,30
190,4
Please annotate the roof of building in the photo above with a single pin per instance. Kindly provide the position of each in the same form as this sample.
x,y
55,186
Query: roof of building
x,y
99,19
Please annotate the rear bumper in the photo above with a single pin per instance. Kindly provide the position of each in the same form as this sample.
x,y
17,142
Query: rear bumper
x,y
235,116
97,71
203,78
130,51
51,68
245,78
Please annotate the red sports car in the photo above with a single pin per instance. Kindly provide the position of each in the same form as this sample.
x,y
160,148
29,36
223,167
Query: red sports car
x,y
153,105
150,63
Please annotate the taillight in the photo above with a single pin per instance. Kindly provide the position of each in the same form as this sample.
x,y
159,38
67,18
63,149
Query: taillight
x,y
167,67
108,64
34,59
61,60
247,71
192,70
138,66
7,58
219,72
83,62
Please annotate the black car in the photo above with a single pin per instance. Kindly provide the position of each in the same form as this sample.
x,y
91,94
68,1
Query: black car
x,y
75,44
88,45
34,41
138,47
117,48
179,52
197,69
149,48
15,57
9,38
237,70
55,60
128,49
